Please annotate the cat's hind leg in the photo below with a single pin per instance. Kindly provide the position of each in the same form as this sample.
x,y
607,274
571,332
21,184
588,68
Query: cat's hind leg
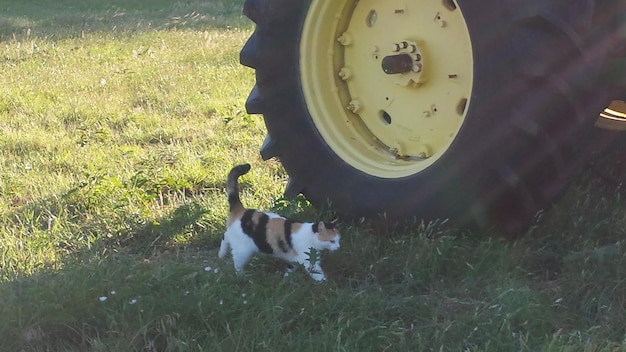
x,y
241,258
224,246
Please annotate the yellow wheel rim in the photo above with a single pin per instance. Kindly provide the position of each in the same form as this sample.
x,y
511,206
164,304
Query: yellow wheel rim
x,y
387,83
613,117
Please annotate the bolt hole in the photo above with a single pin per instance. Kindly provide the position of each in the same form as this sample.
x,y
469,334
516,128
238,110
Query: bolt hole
x,y
385,117
449,4
371,18
460,108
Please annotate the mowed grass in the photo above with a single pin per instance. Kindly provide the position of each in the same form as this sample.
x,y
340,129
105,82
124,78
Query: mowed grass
x,y
118,123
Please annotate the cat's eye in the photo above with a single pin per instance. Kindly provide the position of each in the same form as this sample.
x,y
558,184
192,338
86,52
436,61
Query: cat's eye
x,y
333,241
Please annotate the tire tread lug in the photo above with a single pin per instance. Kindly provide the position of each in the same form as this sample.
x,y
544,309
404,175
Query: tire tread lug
x,y
269,148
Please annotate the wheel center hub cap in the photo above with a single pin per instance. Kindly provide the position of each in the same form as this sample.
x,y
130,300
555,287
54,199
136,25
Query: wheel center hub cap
x,y
405,59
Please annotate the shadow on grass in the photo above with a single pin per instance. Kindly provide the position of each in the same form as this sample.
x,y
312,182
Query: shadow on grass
x,y
100,291
184,222
57,20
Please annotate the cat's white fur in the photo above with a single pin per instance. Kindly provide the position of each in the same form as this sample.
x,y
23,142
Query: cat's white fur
x,y
303,240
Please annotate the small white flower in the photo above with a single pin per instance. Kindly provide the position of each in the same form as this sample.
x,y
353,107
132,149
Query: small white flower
x,y
245,302
216,270
113,292
186,293
221,302
102,298
208,268
133,301
243,295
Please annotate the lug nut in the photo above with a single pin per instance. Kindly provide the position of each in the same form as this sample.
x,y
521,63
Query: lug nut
x,y
354,106
345,39
345,73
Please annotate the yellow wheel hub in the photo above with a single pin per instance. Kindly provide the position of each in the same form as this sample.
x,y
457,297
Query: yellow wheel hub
x,y
387,83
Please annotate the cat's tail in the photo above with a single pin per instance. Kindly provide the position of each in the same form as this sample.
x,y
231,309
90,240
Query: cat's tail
x,y
232,186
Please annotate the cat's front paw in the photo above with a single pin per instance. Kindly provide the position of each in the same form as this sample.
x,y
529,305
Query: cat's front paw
x,y
317,276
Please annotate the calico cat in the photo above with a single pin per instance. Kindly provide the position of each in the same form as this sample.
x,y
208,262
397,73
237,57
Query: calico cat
x,y
249,231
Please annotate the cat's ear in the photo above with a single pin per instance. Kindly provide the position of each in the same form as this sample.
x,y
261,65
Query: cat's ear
x,y
321,226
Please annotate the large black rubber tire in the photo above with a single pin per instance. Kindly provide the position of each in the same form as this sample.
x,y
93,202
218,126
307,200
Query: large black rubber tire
x,y
527,130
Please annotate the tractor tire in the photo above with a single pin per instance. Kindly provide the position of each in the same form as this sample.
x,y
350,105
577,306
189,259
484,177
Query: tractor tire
x,y
458,109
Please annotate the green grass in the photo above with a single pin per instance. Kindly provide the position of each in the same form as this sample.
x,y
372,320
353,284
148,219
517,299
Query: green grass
x,y
118,123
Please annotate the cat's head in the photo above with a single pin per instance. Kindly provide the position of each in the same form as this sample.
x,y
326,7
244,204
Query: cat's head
x,y
327,236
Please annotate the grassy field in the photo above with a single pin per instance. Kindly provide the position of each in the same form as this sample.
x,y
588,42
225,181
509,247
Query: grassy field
x,y
118,122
